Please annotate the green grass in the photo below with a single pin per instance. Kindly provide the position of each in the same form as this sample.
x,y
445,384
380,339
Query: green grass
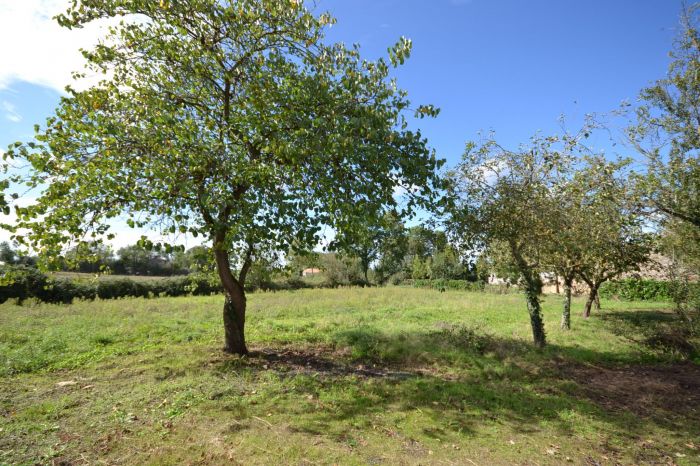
x,y
349,376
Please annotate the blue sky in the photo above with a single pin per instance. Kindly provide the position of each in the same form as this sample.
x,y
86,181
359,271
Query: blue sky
x,y
512,66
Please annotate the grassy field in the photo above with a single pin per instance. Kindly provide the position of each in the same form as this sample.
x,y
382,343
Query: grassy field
x,y
349,376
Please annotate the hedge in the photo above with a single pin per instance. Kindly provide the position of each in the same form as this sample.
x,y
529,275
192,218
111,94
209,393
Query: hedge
x,y
633,289
20,282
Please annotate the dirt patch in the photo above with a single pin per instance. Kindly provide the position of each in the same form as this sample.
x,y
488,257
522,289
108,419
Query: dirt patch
x,y
642,390
309,362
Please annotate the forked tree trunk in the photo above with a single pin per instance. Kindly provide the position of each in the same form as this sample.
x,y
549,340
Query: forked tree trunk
x,y
592,293
535,311
566,314
234,305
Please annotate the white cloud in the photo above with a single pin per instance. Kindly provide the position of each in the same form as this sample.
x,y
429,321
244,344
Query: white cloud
x,y
11,112
36,49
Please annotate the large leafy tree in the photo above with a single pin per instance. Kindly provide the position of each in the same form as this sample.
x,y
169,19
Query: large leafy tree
x,y
503,199
228,119
666,130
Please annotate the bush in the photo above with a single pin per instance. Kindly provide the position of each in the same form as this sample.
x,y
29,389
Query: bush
x,y
296,283
20,282
633,289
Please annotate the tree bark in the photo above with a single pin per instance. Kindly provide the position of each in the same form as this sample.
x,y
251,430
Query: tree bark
x,y
234,325
596,301
533,288
566,315
592,293
234,305
533,307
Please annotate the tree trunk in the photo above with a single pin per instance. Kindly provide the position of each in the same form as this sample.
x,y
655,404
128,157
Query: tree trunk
x,y
556,282
234,325
533,288
566,315
597,301
533,307
592,293
234,306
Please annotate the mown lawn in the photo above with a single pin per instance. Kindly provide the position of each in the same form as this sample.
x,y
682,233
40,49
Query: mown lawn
x,y
348,376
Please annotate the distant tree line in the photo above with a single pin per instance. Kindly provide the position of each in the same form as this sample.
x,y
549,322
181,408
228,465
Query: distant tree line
x,y
135,259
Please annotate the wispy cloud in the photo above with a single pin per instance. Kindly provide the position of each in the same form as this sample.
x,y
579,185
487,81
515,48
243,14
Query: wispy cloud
x,y
11,112
36,49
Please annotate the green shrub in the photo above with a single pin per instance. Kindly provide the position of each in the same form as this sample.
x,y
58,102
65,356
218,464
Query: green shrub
x,y
21,282
633,289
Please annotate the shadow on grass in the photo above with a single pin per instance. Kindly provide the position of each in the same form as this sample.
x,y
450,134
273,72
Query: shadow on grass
x,y
639,318
461,379
662,331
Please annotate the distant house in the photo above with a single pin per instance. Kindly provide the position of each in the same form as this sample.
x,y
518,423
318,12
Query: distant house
x,y
310,272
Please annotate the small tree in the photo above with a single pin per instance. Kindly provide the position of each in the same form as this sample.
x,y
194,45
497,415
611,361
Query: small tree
x,y
228,119
570,218
365,241
502,197
392,250
7,254
447,264
614,225
89,257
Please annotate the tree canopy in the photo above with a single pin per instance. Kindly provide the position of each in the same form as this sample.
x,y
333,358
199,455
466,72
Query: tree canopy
x,y
666,130
228,119
503,198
